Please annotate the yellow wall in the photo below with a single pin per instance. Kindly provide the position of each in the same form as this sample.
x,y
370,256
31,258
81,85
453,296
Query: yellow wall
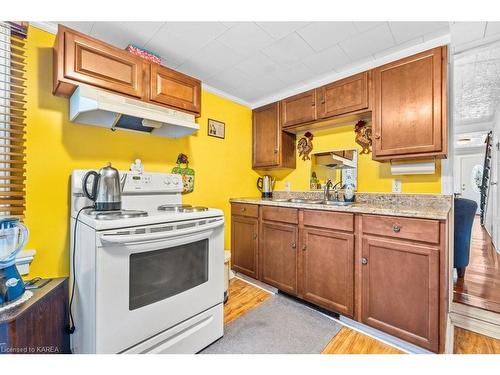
x,y
372,176
223,167
55,147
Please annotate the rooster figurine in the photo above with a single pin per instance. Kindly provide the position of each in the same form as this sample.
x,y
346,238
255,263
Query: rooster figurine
x,y
363,136
305,146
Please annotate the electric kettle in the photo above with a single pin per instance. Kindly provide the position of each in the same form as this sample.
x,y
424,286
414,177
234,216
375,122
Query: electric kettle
x,y
265,185
106,191
13,237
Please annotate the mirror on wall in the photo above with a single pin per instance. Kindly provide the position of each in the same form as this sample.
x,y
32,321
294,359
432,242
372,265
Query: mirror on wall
x,y
341,166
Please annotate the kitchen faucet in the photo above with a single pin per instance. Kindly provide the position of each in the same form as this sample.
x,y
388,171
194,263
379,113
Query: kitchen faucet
x,y
329,185
326,194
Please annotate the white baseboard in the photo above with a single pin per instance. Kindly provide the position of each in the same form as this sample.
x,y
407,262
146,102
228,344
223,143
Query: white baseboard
x,y
476,320
256,283
383,337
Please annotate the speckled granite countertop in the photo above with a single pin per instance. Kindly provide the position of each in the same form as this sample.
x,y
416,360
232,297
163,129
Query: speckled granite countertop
x,y
426,206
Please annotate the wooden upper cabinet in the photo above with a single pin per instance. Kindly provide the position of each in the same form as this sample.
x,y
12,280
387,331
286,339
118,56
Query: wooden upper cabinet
x,y
174,89
409,114
343,97
400,290
272,148
298,109
80,58
327,269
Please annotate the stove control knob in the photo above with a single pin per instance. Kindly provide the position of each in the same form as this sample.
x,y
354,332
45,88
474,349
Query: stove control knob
x,y
167,181
176,181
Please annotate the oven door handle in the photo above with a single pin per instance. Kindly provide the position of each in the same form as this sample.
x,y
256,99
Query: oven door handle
x,y
130,238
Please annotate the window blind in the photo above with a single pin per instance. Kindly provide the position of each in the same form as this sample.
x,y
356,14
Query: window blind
x,y
12,118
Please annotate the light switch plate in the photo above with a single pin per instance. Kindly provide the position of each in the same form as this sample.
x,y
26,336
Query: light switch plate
x,y
396,186
288,186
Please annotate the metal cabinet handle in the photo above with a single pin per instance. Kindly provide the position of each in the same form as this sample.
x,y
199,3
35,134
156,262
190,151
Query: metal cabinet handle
x,y
304,247
396,228
364,261
294,245
243,209
254,236
275,150
377,136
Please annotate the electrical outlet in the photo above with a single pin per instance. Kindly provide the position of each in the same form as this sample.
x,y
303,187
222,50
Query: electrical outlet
x,y
288,186
396,186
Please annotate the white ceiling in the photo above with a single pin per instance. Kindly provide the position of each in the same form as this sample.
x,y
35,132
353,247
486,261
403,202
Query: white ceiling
x,y
476,85
253,61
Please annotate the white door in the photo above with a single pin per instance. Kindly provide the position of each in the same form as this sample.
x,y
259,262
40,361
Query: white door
x,y
470,176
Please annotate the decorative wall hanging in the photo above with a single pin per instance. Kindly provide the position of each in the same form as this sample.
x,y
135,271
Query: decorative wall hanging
x,y
216,128
363,136
305,146
186,173
144,53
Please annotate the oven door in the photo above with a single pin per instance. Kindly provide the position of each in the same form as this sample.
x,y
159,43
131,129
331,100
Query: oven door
x,y
152,278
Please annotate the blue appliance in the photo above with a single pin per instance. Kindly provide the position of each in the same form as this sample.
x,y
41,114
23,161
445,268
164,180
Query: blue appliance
x,y
13,237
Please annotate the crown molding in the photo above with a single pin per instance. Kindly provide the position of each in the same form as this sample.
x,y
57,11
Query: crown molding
x,y
50,27
332,77
225,95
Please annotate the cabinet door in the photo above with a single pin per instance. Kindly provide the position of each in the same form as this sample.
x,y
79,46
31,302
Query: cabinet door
x,y
175,89
266,136
409,115
244,245
327,269
96,63
278,252
400,290
298,109
344,96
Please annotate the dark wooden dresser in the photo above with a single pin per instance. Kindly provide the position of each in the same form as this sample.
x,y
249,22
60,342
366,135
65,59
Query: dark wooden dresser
x,y
39,325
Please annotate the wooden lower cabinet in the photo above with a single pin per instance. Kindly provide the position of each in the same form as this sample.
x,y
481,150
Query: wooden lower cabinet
x,y
244,244
327,269
400,290
384,271
278,255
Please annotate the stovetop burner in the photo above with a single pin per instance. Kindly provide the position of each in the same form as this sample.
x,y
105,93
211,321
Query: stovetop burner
x,y
181,208
115,215
173,207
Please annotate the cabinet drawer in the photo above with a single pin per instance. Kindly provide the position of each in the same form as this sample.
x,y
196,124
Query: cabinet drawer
x,y
242,209
286,215
398,227
330,220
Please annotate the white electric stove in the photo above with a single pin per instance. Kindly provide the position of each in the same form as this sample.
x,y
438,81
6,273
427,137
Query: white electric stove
x,y
149,278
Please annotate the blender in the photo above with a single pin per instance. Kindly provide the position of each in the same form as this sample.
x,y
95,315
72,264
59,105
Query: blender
x,y
13,236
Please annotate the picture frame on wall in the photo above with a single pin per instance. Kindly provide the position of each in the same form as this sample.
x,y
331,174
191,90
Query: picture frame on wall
x,y
216,128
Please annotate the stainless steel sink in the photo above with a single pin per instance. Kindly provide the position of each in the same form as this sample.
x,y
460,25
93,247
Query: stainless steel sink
x,y
307,201
312,201
337,203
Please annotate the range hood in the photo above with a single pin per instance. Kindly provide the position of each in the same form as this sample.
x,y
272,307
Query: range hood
x,y
337,159
92,106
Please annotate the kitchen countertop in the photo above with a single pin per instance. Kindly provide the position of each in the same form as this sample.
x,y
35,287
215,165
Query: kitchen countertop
x,y
425,206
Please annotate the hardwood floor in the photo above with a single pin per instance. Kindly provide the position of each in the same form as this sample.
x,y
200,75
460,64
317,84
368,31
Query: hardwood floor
x,y
348,341
243,297
481,285
467,342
